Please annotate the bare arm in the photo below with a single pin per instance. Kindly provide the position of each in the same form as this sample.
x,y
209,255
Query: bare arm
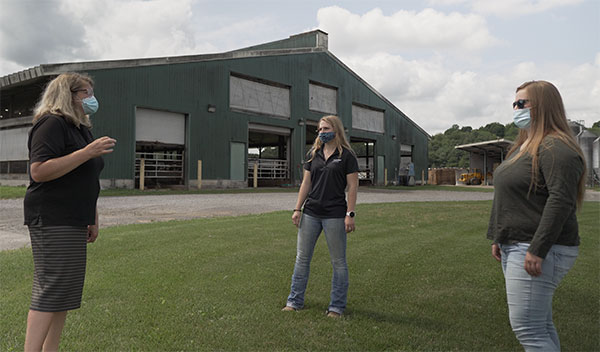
x,y
352,180
302,194
54,168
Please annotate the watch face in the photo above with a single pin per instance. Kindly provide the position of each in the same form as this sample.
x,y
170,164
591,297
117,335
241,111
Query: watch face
x,y
350,214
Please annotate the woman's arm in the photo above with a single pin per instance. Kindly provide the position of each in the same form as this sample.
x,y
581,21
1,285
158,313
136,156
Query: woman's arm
x,y
93,230
302,194
54,168
352,180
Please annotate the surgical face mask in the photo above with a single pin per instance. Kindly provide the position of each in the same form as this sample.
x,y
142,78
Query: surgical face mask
x,y
90,105
326,136
522,118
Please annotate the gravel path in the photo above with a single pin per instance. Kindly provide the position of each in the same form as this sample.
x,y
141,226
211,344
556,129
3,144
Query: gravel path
x,y
143,209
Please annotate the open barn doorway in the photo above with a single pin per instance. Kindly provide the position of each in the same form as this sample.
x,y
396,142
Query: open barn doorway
x,y
269,153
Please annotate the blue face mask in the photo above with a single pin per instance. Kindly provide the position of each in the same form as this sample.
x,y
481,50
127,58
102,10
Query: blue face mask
x,y
90,105
522,118
326,136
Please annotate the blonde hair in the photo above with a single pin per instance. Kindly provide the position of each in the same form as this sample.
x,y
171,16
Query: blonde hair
x,y
548,118
339,140
59,99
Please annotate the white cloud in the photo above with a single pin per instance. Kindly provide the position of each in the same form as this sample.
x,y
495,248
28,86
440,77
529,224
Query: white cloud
x,y
131,29
403,30
34,33
436,97
37,32
508,8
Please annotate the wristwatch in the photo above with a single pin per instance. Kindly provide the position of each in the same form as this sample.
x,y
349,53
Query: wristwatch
x,y
350,214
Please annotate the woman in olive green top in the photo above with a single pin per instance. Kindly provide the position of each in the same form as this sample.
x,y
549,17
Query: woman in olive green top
x,y
533,224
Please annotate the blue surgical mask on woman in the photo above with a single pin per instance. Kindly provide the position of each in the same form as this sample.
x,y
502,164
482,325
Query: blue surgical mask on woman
x,y
90,105
326,136
522,117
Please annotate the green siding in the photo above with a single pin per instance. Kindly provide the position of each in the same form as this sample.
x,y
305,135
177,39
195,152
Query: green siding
x,y
189,88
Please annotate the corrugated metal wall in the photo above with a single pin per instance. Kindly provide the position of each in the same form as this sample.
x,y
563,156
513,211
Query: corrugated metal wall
x,y
189,88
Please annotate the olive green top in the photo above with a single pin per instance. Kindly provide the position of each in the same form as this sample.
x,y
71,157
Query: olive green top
x,y
544,215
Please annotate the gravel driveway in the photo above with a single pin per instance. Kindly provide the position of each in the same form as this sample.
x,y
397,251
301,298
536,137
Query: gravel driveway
x,y
142,209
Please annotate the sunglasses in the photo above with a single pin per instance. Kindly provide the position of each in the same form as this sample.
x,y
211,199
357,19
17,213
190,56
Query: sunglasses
x,y
520,103
88,92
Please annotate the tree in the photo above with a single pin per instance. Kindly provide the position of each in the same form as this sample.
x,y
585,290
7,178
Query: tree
x,y
442,151
511,131
595,128
495,128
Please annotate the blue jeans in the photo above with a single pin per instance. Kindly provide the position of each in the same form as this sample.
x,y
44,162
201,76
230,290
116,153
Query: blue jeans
x,y
530,298
308,233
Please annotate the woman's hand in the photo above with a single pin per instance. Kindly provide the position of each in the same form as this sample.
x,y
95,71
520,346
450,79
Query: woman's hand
x,y
349,223
100,146
92,233
296,217
496,252
533,264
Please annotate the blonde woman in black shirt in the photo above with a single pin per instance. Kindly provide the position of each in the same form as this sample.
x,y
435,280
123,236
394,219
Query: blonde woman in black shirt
x,y
60,203
330,168
533,224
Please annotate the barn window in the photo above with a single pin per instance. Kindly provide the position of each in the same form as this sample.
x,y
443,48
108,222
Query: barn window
x,y
259,96
367,118
322,98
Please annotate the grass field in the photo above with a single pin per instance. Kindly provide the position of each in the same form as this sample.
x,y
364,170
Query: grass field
x,y
7,192
421,279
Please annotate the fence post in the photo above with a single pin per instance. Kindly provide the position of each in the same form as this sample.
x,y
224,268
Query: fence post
x,y
199,174
255,175
385,177
142,173
423,182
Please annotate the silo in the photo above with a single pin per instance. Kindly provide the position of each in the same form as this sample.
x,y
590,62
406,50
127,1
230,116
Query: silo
x,y
586,142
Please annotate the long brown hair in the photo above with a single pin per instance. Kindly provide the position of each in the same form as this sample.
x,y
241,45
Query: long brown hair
x,y
59,98
339,141
548,118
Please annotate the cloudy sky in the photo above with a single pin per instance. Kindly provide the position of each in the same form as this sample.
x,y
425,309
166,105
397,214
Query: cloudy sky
x,y
441,62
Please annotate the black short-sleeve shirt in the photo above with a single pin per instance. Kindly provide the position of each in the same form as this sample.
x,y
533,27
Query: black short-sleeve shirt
x,y
327,196
69,200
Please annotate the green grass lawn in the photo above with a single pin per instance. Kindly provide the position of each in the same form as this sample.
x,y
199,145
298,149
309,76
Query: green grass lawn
x,y
421,279
437,188
8,192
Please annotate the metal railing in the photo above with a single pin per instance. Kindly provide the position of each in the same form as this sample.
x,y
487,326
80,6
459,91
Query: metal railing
x,y
269,169
160,165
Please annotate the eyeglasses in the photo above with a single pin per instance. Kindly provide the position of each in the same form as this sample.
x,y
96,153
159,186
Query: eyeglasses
x,y
520,103
88,92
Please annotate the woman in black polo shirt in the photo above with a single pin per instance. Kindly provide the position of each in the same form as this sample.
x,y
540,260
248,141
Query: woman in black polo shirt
x,y
60,203
331,166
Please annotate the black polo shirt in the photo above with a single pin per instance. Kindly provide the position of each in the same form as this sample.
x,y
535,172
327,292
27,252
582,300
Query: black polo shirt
x,y
327,196
69,200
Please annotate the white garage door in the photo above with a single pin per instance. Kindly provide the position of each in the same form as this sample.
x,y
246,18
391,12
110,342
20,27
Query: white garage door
x,y
159,126
13,144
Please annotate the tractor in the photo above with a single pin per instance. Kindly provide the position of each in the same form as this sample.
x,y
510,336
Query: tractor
x,y
473,177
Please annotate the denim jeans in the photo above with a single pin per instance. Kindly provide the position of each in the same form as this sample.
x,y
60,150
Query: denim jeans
x,y
530,298
308,233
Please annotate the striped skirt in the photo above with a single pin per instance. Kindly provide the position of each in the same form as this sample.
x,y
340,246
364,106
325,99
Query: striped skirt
x,y
59,257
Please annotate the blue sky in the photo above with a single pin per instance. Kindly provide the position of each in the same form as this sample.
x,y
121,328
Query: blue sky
x,y
442,62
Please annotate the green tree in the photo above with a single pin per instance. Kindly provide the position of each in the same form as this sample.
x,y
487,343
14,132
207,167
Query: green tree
x,y
595,128
495,128
442,151
511,131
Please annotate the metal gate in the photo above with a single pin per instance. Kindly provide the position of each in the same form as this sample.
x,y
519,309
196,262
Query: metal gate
x,y
164,167
269,169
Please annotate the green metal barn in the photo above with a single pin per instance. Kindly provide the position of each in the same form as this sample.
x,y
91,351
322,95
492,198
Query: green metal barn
x,y
231,111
